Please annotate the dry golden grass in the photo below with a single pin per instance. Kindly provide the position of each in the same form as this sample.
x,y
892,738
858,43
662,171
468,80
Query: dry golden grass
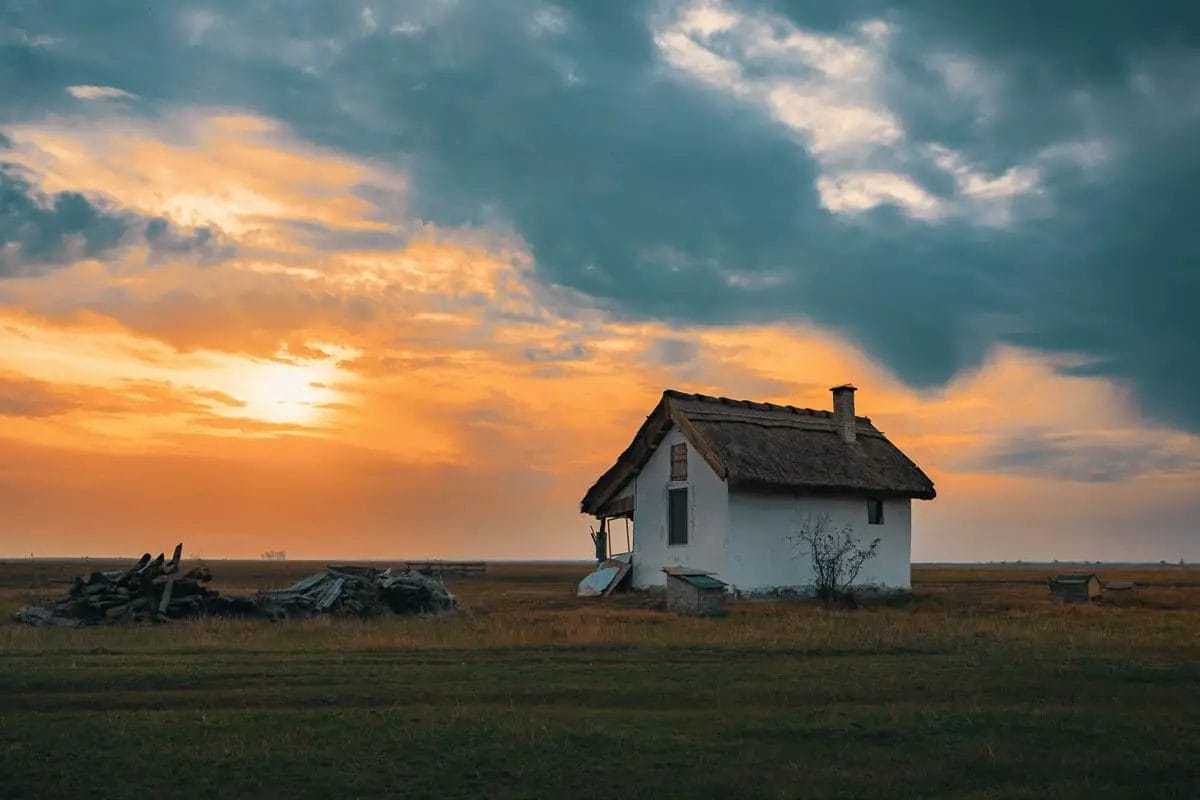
x,y
522,605
977,685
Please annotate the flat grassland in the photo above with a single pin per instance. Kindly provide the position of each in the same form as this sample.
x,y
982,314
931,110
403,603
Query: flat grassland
x,y
975,686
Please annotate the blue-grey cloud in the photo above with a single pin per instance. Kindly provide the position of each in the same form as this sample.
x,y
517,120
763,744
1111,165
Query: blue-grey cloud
x,y
166,239
39,232
670,352
661,196
568,351
1094,458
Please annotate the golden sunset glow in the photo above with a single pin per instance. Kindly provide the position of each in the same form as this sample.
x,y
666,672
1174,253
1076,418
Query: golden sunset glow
x,y
276,392
335,384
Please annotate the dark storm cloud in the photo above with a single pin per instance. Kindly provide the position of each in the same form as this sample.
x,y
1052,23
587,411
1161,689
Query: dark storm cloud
x,y
662,198
39,232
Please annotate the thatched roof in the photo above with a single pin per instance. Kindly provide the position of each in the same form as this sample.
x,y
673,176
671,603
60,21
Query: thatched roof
x,y
768,447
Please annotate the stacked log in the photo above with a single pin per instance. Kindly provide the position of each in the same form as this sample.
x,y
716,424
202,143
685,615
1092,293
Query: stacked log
x,y
360,591
154,589
151,589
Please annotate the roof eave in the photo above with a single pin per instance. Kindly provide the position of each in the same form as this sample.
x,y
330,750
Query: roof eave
x,y
616,476
649,436
780,487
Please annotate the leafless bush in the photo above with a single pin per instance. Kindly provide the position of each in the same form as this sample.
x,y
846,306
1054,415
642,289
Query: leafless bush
x,y
837,556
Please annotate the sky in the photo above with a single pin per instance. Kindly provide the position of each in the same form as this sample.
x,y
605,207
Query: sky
x,y
401,279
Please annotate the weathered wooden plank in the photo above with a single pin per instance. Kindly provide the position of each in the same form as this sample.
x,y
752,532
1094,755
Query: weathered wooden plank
x,y
331,594
173,565
168,587
304,584
42,615
128,574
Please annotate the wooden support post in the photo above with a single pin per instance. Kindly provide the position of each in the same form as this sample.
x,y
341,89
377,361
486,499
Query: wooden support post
x,y
602,541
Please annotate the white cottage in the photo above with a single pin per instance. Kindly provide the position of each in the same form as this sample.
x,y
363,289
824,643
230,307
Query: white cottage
x,y
723,485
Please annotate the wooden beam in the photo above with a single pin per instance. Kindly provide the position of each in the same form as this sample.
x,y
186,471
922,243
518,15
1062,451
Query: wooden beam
x,y
645,441
699,442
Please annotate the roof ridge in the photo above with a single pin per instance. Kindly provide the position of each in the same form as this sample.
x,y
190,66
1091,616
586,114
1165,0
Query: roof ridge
x,y
786,423
754,405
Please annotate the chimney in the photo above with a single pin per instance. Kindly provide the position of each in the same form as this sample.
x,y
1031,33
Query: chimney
x,y
843,411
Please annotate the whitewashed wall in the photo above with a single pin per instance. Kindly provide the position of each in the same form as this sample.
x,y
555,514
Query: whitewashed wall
x,y
708,516
761,556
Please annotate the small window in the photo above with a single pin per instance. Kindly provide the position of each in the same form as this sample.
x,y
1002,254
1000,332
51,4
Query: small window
x,y
679,462
875,511
677,516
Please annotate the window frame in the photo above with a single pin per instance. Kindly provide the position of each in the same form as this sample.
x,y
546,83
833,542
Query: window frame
x,y
672,492
677,450
873,504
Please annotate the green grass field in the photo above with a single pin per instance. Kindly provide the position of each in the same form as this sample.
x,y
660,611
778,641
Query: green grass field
x,y
977,686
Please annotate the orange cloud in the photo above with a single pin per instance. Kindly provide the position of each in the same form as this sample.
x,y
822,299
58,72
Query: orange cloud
x,y
354,384
241,173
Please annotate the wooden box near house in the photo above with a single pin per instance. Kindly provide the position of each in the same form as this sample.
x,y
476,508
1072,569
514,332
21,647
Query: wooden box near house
x,y
1120,592
1075,588
694,591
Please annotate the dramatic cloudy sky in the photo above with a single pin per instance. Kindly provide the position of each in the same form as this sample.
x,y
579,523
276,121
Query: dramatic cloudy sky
x,y
402,278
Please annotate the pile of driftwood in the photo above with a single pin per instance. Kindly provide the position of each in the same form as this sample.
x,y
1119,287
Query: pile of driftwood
x,y
360,591
154,589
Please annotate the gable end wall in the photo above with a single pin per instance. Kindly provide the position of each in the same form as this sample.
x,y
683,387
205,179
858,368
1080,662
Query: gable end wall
x,y
708,516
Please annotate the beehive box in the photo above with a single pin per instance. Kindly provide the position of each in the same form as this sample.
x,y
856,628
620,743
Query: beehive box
x,y
692,591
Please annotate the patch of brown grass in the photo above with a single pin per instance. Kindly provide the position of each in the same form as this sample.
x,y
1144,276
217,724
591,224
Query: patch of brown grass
x,y
533,605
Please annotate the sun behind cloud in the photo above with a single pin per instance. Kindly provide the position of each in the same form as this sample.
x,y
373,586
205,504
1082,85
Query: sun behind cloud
x,y
282,392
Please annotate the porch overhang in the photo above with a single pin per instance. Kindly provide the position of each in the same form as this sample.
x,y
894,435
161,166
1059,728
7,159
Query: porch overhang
x,y
616,507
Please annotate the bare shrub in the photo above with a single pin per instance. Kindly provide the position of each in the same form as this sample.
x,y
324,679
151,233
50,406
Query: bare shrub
x,y
837,557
